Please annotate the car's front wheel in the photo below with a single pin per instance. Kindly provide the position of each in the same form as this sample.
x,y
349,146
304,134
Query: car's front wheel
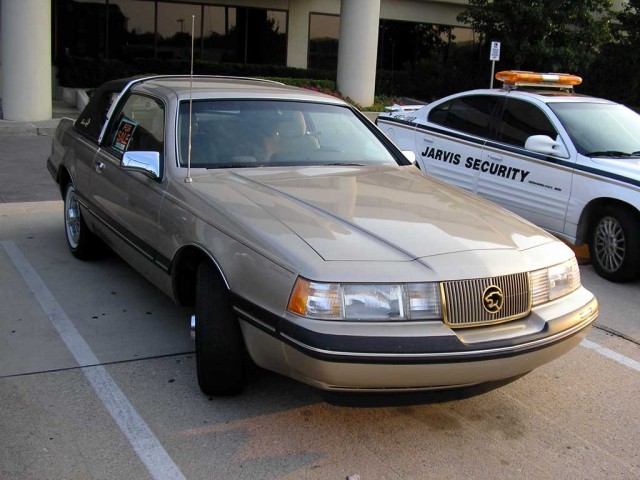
x,y
614,247
81,242
219,344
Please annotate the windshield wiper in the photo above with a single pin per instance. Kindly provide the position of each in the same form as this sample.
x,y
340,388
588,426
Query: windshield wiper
x,y
343,164
610,153
234,165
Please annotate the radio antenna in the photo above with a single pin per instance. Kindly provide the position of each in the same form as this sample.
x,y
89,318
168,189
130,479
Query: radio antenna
x,y
189,179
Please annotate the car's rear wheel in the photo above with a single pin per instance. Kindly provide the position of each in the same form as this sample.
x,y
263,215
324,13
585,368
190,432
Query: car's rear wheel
x,y
81,242
219,344
614,247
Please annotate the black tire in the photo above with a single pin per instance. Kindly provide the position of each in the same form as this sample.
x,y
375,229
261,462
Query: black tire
x,y
614,244
219,343
82,243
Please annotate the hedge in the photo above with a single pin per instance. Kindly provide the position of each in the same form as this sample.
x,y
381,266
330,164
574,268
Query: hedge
x,y
80,72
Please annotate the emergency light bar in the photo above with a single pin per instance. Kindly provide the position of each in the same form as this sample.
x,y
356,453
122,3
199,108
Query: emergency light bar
x,y
516,78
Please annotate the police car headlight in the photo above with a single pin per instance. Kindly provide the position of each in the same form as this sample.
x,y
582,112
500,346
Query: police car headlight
x,y
554,282
366,302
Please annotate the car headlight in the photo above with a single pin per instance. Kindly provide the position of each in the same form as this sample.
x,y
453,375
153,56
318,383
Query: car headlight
x,y
554,282
366,302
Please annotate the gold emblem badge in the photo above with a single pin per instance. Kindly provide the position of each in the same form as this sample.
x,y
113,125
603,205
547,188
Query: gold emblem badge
x,y
493,299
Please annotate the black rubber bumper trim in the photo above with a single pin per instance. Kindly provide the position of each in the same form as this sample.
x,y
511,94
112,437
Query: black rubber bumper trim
x,y
391,350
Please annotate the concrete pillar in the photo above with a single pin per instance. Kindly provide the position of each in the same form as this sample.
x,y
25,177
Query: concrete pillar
x,y
357,50
298,35
26,59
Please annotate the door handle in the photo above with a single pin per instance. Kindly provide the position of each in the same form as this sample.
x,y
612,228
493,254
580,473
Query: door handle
x,y
428,139
497,158
98,167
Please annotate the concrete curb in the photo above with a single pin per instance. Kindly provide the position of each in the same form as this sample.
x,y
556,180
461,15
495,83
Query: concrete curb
x,y
45,127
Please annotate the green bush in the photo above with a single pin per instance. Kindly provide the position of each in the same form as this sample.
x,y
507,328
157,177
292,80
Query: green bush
x,y
311,83
615,74
79,72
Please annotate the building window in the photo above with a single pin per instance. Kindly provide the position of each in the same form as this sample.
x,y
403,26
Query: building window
x,y
260,36
79,28
127,29
218,25
324,32
401,43
130,28
174,30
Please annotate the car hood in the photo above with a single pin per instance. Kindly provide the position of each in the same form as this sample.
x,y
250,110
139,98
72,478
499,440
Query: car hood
x,y
626,167
374,213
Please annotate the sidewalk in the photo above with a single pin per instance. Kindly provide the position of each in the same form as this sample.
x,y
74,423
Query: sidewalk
x,y
44,127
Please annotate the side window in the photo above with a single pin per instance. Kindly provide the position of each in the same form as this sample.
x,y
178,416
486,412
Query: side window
x,y
139,126
470,114
521,120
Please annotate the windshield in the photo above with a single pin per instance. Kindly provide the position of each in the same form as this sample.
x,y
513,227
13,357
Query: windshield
x,y
251,133
598,129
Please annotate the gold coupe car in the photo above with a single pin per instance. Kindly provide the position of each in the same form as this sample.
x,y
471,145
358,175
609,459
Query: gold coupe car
x,y
300,234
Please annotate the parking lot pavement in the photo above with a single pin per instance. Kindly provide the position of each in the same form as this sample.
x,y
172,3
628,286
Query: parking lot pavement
x,y
619,304
136,411
23,175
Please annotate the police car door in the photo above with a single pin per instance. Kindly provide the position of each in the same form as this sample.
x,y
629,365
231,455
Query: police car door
x,y
451,137
534,185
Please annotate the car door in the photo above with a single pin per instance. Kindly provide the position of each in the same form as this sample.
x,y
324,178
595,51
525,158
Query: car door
x,y
88,126
127,202
536,186
449,141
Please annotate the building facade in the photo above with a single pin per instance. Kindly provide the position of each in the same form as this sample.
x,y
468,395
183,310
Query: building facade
x,y
354,37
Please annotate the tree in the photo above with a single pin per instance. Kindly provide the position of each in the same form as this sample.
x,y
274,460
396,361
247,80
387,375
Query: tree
x,y
616,72
629,19
542,35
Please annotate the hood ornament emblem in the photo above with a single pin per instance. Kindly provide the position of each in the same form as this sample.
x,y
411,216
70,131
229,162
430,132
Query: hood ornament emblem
x,y
492,299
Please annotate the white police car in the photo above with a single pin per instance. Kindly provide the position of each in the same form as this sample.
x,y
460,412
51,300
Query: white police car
x,y
567,162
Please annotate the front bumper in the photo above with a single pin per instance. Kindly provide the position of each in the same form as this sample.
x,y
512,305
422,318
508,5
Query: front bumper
x,y
415,356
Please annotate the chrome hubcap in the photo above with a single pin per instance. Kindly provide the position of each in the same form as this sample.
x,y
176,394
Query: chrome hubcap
x,y
609,244
72,218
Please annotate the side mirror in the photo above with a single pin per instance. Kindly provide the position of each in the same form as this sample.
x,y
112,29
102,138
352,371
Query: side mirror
x,y
142,162
546,145
410,155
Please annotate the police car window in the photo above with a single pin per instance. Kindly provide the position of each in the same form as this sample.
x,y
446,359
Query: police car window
x,y
521,120
470,114
600,127
439,114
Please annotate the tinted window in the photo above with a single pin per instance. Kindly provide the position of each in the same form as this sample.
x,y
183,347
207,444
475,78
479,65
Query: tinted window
x,y
521,120
471,114
139,126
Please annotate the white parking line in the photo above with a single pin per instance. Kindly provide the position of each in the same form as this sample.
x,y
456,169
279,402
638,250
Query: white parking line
x,y
621,359
146,445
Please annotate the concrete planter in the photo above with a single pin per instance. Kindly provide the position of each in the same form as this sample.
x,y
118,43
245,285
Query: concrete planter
x,y
76,97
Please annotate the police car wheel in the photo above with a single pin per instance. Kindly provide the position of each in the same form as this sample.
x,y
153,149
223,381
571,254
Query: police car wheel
x,y
613,246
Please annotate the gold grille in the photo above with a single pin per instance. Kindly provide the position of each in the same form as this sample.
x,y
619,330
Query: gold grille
x,y
463,300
